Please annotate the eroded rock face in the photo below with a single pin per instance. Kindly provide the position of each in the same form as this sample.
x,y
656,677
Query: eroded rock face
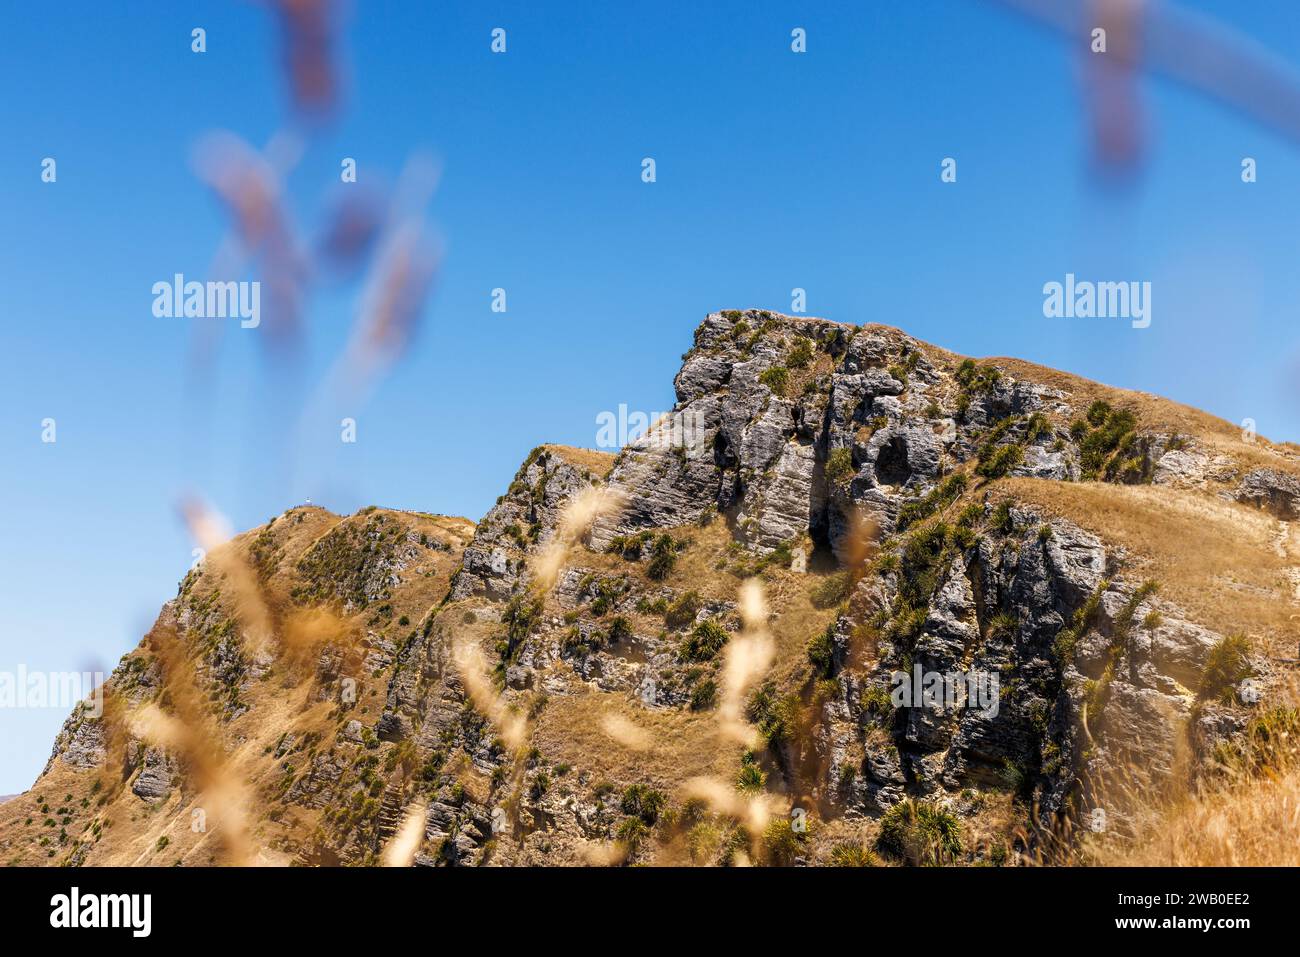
x,y
1191,468
155,778
1065,712
768,419
80,742
524,518
1275,492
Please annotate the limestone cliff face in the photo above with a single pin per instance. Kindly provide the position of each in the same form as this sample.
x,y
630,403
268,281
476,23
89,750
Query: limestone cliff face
x,y
907,511
776,397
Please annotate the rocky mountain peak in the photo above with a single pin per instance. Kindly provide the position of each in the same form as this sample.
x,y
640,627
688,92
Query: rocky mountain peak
x,y
891,603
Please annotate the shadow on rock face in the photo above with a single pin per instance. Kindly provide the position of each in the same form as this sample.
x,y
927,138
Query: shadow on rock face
x,y
891,463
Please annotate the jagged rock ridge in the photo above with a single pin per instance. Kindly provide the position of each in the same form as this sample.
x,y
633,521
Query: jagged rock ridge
x,y
903,507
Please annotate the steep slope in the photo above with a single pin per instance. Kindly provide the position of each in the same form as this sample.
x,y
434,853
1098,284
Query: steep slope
x,y
1110,576
193,760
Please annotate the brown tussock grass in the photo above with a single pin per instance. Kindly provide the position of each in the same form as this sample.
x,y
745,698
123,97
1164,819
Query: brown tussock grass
x,y
624,732
599,464
683,745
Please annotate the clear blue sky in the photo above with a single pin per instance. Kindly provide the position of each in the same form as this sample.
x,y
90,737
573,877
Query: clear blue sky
x,y
775,170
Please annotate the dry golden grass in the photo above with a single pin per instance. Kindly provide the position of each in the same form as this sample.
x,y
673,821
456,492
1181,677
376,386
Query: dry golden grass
x,y
1252,823
697,568
575,729
590,460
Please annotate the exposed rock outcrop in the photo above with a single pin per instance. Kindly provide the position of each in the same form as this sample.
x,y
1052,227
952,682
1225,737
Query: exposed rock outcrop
x,y
1277,493
861,475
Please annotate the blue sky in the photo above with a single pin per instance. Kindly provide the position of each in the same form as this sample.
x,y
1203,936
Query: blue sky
x,y
775,170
